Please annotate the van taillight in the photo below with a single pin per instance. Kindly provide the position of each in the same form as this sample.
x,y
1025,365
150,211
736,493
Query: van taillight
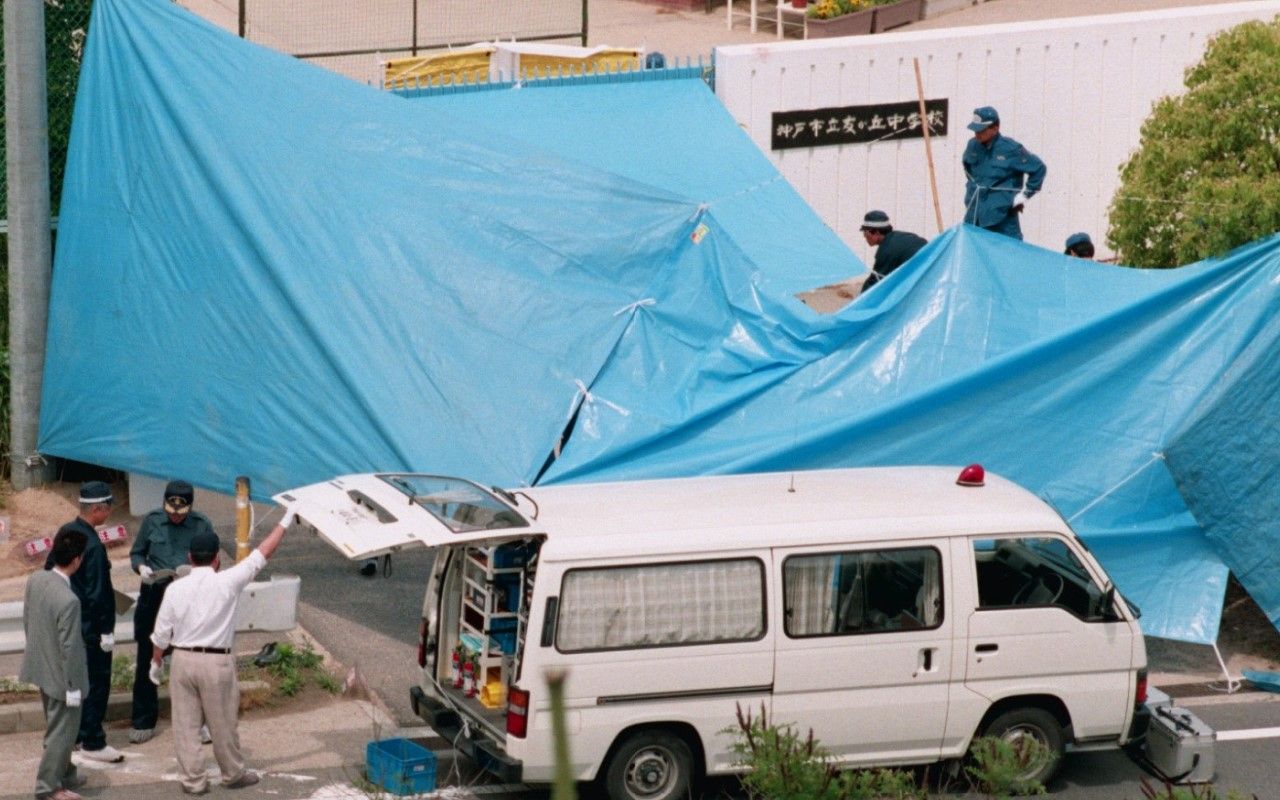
x,y
517,712
1140,694
422,643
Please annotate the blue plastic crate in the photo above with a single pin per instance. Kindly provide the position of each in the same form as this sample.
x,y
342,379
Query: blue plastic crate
x,y
400,766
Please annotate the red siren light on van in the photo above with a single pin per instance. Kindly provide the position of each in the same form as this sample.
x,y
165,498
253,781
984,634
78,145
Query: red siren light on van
x,y
972,475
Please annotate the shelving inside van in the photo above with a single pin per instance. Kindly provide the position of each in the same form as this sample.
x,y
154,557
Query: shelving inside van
x,y
484,609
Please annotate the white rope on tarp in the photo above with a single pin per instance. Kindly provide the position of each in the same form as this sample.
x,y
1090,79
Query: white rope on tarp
x,y
648,301
1156,456
587,397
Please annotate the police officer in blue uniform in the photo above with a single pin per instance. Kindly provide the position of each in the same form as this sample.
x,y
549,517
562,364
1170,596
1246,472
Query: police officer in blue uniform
x,y
893,248
1079,245
1001,174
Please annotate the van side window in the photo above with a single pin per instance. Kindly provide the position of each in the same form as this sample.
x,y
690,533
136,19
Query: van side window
x,y
655,605
862,592
1034,571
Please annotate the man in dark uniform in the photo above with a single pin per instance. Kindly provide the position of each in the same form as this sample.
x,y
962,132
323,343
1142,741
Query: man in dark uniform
x,y
92,584
1001,174
1079,245
893,248
159,554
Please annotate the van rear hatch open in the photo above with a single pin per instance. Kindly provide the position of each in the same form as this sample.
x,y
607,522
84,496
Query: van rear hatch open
x,y
369,514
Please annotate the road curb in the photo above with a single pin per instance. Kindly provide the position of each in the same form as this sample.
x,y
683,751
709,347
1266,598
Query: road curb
x,y
29,716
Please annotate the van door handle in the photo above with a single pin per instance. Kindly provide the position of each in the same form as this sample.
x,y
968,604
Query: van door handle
x,y
925,663
986,648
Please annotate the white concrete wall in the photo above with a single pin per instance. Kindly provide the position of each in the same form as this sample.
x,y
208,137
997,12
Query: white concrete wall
x,y
1074,91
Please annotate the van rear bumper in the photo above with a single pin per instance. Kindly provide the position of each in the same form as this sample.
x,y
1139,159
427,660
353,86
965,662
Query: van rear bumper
x,y
486,754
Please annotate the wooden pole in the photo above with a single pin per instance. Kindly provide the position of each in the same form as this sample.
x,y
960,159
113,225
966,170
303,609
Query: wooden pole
x,y
928,146
242,518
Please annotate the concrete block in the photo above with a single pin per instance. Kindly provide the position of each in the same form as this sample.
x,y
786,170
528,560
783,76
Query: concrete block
x,y
10,719
31,716
934,8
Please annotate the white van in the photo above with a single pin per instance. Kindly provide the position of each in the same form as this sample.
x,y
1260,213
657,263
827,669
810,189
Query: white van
x,y
897,612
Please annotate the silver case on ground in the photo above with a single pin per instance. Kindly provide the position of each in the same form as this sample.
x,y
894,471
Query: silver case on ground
x,y
1181,745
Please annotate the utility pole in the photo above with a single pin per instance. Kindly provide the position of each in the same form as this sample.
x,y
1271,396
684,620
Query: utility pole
x,y
30,246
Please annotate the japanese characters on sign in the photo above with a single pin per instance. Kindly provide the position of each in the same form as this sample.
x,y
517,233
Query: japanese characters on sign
x,y
857,124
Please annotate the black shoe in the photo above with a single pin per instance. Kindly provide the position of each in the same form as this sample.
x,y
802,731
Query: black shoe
x,y
369,568
267,655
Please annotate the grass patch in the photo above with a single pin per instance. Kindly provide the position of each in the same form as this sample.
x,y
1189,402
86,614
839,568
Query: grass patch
x,y
13,690
122,673
290,670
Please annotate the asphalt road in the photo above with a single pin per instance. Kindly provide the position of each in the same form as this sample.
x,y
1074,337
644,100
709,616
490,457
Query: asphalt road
x,y
371,623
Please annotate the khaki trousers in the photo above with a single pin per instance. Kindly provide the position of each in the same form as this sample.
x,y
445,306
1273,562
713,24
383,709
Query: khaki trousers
x,y
203,688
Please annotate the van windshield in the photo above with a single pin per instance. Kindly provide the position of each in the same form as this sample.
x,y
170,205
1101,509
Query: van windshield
x,y
461,505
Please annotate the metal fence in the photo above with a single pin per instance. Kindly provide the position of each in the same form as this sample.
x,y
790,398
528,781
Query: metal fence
x,y
352,38
66,22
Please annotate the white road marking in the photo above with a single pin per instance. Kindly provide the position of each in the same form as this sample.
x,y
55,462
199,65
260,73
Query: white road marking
x,y
1248,733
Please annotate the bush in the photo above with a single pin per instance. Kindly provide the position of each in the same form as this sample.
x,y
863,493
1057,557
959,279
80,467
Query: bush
x,y
783,766
1205,177
289,669
999,765
826,9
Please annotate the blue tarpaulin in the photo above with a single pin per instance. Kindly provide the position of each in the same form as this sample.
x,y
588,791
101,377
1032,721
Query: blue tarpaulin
x,y
265,269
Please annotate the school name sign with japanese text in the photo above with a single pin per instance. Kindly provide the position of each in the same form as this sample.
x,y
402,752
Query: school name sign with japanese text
x,y
857,124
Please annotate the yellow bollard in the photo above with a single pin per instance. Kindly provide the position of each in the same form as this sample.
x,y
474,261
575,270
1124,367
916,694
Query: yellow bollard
x,y
242,518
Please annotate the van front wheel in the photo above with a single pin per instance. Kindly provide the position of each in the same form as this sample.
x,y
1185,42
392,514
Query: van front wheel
x,y
650,765
1037,725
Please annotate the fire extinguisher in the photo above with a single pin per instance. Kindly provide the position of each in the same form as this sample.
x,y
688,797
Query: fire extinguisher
x,y
469,679
455,671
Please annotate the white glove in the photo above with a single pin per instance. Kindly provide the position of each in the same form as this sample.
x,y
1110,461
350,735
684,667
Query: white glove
x,y
290,517
156,673
148,574
73,698
1020,199
108,642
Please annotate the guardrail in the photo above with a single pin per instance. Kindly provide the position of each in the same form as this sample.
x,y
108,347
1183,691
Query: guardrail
x,y
270,605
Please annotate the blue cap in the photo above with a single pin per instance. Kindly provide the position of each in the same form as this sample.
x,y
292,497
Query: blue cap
x,y
984,118
875,220
1077,238
94,492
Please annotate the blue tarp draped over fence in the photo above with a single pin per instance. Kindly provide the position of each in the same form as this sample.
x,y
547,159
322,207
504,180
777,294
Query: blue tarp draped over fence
x,y
264,269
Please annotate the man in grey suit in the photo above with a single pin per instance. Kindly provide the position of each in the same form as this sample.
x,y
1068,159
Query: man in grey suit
x,y
54,660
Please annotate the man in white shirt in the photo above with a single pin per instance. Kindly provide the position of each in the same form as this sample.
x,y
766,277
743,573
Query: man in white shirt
x,y
197,619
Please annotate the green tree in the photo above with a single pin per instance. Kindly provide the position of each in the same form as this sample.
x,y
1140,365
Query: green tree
x,y
1206,176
